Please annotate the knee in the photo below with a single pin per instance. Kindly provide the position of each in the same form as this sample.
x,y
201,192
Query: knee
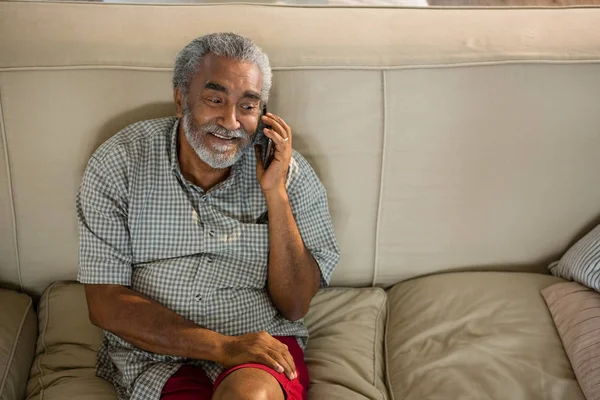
x,y
242,392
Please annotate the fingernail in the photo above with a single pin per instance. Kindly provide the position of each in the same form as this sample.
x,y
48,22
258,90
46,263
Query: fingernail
x,y
294,376
280,369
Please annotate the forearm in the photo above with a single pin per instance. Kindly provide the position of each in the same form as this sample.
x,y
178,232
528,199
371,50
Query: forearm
x,y
294,276
150,326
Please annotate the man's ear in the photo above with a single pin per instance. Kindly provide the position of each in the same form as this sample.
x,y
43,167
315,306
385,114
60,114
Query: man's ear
x,y
178,97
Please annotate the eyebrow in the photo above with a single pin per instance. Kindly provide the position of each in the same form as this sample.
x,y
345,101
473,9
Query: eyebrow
x,y
251,94
248,94
215,86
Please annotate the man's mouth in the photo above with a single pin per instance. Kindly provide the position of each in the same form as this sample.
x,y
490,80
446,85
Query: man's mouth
x,y
223,137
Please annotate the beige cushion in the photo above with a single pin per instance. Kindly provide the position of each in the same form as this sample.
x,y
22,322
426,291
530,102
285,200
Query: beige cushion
x,y
474,159
64,366
576,313
476,335
344,354
18,332
345,349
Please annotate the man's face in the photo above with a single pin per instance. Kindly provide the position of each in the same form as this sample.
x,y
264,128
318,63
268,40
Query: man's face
x,y
222,109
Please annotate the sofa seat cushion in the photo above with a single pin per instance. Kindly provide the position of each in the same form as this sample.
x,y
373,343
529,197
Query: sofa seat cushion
x,y
345,349
18,332
344,354
65,357
485,335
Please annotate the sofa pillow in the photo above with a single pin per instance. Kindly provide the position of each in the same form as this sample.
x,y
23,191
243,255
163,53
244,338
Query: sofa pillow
x,y
345,347
581,263
65,358
18,332
344,354
575,310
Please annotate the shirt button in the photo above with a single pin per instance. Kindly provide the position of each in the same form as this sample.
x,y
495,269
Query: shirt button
x,y
199,297
210,259
203,198
211,233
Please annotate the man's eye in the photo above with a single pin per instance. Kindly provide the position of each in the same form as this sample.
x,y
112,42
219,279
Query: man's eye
x,y
215,101
248,107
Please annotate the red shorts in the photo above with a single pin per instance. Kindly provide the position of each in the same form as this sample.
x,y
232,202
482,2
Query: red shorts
x,y
190,383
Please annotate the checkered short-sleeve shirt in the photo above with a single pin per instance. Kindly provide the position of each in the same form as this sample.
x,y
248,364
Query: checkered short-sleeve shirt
x,y
201,254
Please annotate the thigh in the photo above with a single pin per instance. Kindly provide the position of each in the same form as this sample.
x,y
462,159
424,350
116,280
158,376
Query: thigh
x,y
188,383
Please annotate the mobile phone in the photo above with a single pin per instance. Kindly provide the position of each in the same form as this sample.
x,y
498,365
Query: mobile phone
x,y
267,147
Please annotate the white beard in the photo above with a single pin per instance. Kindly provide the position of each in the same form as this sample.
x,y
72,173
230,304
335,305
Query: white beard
x,y
218,156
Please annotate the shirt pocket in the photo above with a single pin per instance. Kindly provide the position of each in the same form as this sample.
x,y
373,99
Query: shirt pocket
x,y
246,255
254,242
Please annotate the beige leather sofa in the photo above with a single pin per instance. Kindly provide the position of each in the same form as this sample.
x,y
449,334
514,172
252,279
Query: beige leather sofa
x,y
459,149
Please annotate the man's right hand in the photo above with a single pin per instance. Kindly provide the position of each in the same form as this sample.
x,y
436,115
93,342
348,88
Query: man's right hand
x,y
259,348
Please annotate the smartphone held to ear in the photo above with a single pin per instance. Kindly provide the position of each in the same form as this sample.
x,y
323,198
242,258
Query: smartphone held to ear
x,y
266,144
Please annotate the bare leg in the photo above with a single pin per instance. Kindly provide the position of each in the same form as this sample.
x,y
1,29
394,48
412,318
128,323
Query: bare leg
x,y
249,384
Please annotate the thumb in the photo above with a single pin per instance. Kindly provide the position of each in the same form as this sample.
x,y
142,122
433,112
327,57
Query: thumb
x,y
259,167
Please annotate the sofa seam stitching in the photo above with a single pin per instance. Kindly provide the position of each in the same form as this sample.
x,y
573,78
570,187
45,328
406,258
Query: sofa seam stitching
x,y
43,338
381,179
375,344
320,67
11,195
15,345
388,381
326,6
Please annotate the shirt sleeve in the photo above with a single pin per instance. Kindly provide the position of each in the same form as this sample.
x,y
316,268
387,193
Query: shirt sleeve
x,y
308,200
105,254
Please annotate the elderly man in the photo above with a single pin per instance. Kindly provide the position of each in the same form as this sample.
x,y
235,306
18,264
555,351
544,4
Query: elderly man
x,y
198,263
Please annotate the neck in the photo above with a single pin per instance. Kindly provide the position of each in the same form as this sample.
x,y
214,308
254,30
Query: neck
x,y
194,169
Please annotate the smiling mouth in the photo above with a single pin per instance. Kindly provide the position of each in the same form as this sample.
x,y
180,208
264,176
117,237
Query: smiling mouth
x,y
229,138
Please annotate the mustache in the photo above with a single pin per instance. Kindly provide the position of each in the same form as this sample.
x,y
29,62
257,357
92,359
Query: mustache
x,y
219,130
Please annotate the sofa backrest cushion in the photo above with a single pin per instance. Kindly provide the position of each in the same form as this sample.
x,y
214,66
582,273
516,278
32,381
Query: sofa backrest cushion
x,y
447,139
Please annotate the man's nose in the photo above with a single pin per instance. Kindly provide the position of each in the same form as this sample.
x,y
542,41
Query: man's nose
x,y
230,121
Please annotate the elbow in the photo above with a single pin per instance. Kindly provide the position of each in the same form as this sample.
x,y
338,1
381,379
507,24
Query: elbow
x,y
294,313
96,312
96,317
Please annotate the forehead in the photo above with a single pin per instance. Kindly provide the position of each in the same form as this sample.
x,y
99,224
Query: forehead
x,y
237,76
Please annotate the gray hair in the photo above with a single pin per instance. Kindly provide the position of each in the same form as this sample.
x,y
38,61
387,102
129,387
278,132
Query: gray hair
x,y
230,45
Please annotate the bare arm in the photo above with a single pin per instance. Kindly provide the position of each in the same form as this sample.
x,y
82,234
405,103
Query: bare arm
x,y
294,275
148,325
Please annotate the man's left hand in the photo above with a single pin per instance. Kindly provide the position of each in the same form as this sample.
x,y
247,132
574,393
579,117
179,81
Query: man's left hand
x,y
273,178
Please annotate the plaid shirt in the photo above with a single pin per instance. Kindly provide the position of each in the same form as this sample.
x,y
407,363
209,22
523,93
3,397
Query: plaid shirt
x,y
201,254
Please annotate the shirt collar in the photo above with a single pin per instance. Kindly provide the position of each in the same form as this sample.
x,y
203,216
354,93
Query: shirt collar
x,y
173,152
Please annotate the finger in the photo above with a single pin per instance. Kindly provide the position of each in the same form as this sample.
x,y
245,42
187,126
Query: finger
x,y
271,363
275,125
288,356
276,138
281,360
281,122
